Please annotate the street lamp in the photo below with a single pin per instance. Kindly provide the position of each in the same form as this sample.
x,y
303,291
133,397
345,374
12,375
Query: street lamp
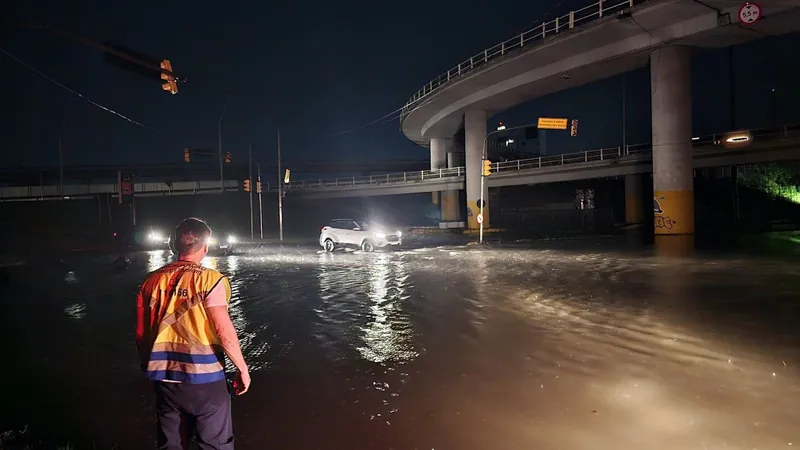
x,y
219,143
483,174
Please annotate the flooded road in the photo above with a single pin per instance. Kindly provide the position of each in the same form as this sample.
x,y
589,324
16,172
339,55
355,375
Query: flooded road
x,y
438,348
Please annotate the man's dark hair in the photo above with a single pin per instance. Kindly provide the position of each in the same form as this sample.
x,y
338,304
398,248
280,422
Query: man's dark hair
x,y
191,235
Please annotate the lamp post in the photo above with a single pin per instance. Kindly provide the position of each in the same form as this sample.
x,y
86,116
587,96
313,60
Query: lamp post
x,y
219,143
499,129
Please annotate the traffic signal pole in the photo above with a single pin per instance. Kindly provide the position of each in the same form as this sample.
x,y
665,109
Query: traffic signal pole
x,y
280,189
485,173
260,210
249,177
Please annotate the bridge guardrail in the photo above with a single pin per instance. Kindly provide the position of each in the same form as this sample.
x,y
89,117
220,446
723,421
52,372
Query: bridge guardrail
x,y
525,39
619,153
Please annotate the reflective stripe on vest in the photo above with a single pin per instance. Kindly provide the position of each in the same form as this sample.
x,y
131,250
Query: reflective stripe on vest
x,y
185,347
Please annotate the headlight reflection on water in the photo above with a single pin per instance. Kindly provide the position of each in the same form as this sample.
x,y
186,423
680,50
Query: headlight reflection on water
x,y
380,286
388,336
156,259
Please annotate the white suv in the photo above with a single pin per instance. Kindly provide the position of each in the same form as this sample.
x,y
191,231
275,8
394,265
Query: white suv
x,y
350,233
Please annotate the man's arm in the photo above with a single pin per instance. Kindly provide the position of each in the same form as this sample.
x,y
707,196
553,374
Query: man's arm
x,y
223,325
216,304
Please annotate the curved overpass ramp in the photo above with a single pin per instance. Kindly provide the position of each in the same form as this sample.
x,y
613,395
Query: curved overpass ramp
x,y
606,39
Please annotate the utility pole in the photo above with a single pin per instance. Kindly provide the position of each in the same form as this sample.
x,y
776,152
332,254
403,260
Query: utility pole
x,y
260,210
250,177
624,114
280,190
61,158
219,143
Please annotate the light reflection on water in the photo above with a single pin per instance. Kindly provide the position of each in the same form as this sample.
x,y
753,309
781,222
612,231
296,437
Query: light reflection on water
x,y
76,310
375,293
157,259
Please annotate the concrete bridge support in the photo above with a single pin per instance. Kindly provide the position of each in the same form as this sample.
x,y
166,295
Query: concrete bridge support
x,y
671,103
475,137
634,198
439,147
451,210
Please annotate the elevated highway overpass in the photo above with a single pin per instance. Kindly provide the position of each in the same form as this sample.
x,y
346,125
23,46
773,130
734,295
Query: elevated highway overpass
x,y
772,145
761,146
194,171
606,38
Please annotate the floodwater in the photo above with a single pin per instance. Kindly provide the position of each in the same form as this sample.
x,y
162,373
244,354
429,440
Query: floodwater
x,y
581,347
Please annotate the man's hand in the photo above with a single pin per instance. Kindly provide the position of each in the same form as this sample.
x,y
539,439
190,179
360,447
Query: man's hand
x,y
242,383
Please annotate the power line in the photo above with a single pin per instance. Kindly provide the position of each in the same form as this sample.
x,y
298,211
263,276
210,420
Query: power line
x,y
398,113
74,92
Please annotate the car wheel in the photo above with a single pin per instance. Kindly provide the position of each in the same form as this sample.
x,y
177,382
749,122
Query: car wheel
x,y
329,245
368,246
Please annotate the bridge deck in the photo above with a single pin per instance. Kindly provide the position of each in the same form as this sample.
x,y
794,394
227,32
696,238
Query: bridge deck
x,y
769,145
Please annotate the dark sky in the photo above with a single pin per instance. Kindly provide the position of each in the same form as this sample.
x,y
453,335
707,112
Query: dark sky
x,y
314,68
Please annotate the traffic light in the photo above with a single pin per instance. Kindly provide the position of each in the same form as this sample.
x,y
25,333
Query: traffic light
x,y
573,128
187,157
227,157
170,86
258,187
247,185
487,167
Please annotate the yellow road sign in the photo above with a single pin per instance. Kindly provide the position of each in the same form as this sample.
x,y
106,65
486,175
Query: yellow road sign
x,y
549,123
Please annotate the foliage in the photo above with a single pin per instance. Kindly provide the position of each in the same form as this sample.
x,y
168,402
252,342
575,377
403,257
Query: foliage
x,y
779,180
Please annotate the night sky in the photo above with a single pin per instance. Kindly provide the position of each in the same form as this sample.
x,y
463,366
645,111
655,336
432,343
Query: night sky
x,y
316,69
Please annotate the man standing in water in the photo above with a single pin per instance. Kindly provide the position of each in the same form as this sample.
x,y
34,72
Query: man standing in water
x,y
182,330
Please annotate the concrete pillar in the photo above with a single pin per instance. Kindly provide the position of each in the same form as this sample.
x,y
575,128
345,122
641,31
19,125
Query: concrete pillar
x,y
671,102
439,147
475,134
452,160
450,207
634,209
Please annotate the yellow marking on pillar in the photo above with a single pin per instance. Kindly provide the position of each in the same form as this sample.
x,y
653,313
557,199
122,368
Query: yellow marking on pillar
x,y
472,215
449,206
673,212
633,208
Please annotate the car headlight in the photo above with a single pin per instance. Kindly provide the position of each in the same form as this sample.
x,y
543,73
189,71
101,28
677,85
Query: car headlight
x,y
380,235
399,233
155,236
232,239
212,241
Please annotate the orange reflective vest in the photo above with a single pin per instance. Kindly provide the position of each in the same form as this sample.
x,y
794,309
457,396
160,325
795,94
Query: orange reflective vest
x,y
172,323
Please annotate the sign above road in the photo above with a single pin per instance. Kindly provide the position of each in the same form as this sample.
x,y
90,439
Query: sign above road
x,y
548,123
749,13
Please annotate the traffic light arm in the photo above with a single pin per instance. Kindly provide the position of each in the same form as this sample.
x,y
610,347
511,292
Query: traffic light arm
x,y
103,48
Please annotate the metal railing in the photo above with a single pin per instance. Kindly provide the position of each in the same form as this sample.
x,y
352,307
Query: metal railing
x,y
610,155
524,40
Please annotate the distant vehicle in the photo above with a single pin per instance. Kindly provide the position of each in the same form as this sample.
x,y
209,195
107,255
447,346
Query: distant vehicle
x,y
344,233
225,243
155,239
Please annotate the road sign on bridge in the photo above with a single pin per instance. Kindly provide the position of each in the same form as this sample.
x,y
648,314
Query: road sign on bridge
x,y
549,123
749,13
